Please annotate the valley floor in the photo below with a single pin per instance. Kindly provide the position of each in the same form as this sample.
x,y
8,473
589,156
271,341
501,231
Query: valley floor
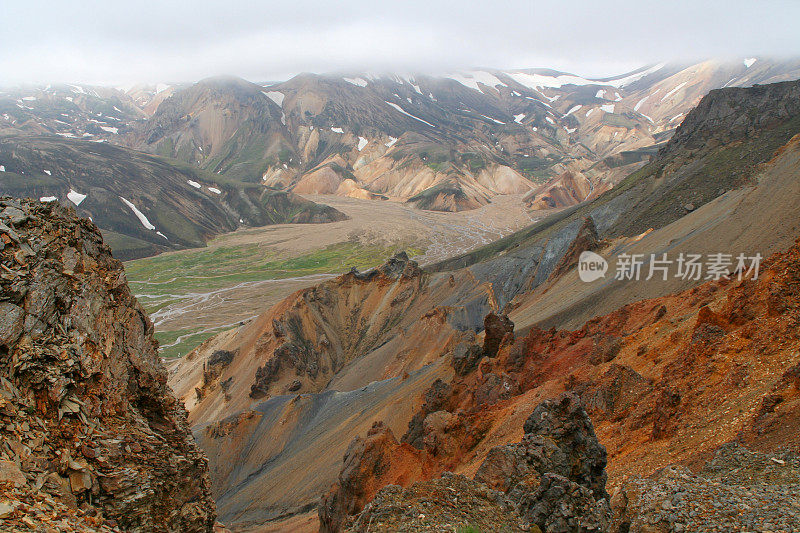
x,y
193,294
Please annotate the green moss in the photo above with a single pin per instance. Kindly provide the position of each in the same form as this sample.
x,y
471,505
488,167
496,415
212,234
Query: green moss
x,y
474,162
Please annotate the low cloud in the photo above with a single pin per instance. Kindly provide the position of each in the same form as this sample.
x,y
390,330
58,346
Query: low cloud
x,y
146,41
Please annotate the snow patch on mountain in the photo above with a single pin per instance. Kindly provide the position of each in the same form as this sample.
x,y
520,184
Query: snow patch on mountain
x,y
275,96
492,119
403,111
627,80
141,216
360,82
362,142
472,78
535,81
673,91
76,197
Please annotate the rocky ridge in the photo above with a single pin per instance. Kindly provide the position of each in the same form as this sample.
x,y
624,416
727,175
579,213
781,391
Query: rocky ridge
x,y
93,439
554,480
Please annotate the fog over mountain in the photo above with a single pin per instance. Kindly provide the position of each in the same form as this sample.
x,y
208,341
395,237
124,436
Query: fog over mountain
x,y
124,42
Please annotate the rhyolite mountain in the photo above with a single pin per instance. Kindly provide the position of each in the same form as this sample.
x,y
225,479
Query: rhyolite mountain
x,y
443,142
669,369
144,204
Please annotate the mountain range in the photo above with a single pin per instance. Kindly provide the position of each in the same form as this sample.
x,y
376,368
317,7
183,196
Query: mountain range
x,y
443,142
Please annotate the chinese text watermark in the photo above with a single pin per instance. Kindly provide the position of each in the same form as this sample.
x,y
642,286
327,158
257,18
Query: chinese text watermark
x,y
686,266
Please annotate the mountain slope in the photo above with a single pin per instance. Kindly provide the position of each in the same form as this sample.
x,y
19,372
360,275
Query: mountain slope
x,y
144,204
665,381
453,142
224,125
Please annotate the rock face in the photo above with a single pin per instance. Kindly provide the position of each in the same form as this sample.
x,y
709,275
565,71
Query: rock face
x,y
553,481
314,351
559,438
497,328
586,240
88,419
556,475
369,464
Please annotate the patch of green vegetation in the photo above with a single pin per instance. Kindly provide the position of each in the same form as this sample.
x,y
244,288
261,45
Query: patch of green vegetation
x,y
619,121
437,160
437,167
18,184
179,226
166,148
474,162
244,156
165,279
535,168
186,152
469,529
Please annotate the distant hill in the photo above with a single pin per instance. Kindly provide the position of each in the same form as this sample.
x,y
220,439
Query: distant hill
x,y
144,204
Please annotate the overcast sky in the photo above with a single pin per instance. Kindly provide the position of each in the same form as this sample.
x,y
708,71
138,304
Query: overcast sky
x,y
112,42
